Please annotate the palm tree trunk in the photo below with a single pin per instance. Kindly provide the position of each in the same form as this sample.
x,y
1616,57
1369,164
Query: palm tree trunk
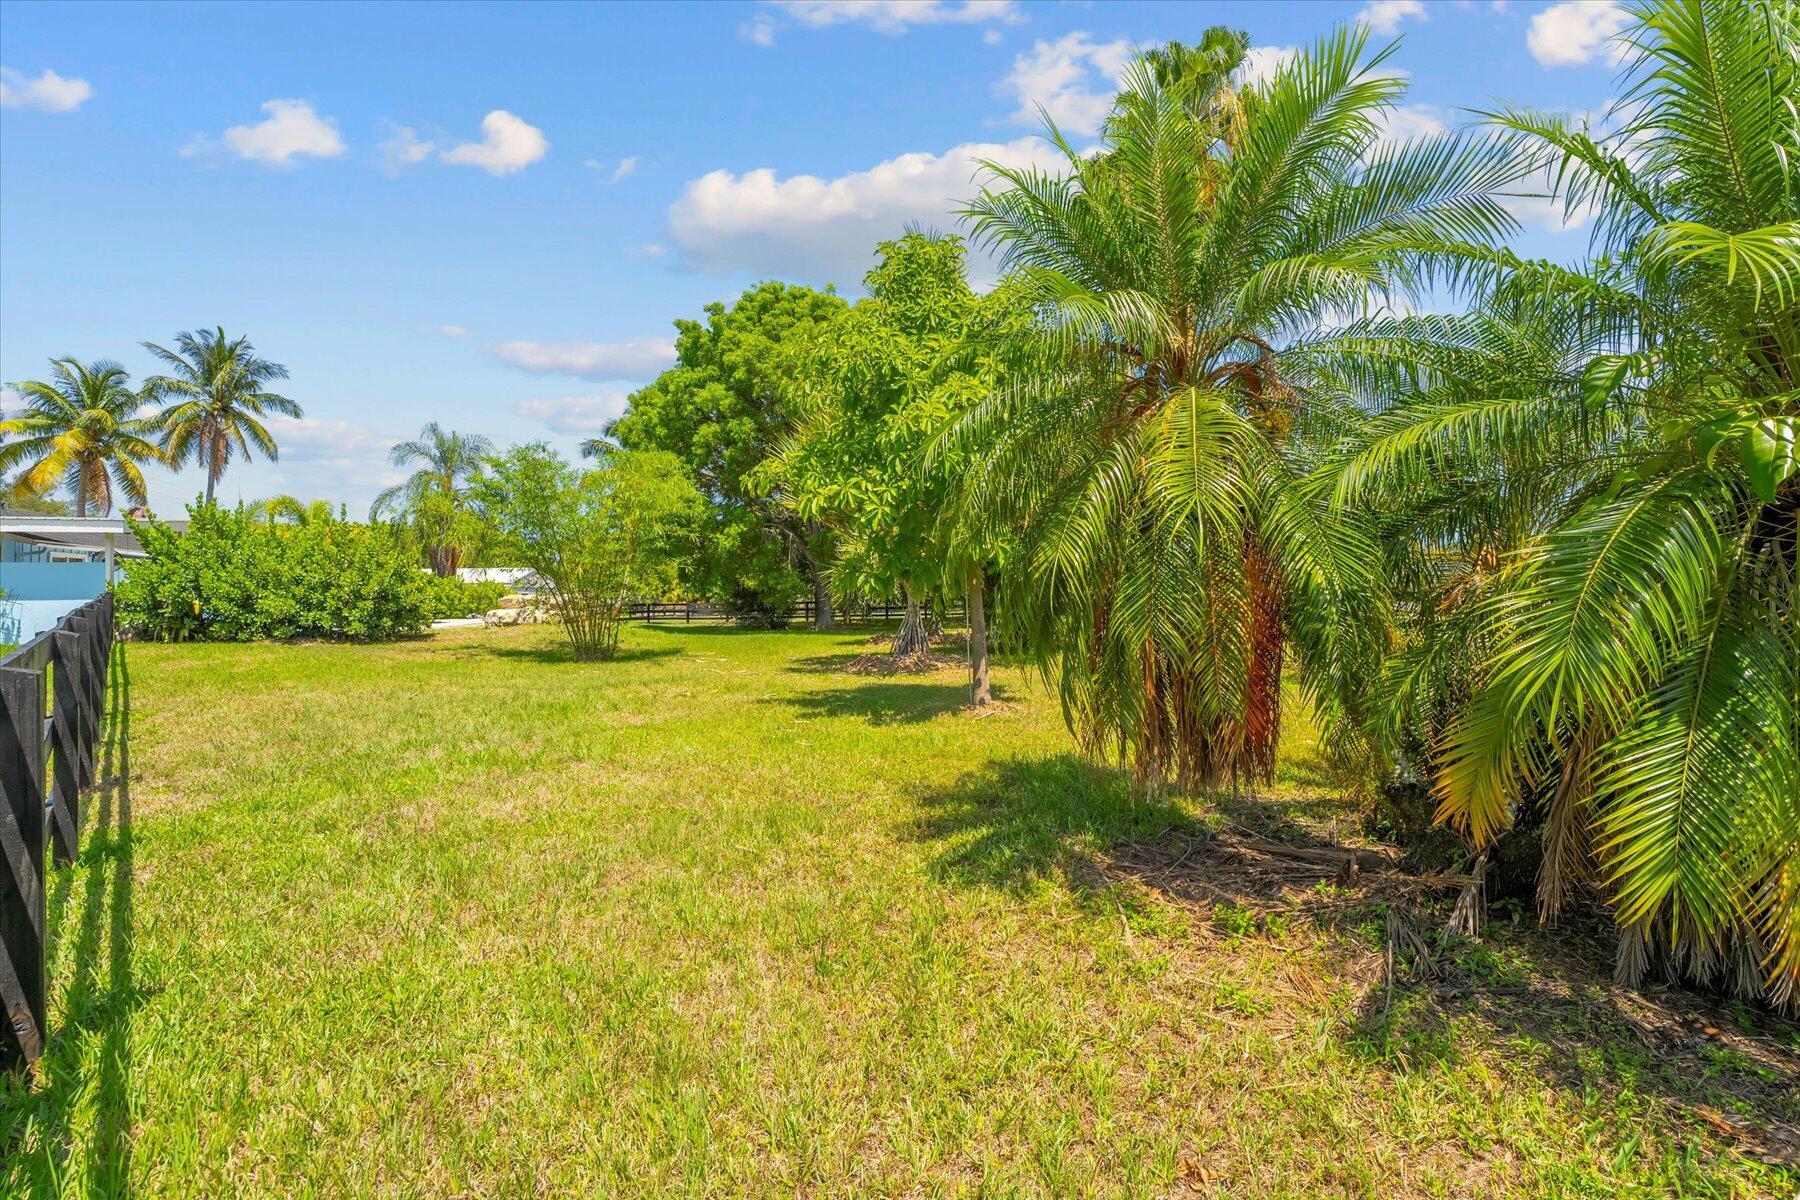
x,y
980,694
215,462
912,638
1262,689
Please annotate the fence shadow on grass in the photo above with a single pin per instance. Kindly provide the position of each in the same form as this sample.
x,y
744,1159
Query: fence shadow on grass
x,y
81,1102
1017,824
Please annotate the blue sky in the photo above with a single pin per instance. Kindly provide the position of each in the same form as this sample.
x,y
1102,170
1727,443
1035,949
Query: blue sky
x,y
487,215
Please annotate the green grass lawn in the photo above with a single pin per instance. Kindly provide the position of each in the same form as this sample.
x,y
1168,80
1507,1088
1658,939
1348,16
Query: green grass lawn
x,y
461,917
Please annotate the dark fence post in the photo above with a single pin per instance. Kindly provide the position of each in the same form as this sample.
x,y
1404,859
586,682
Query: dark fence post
x,y
66,685
82,716
22,891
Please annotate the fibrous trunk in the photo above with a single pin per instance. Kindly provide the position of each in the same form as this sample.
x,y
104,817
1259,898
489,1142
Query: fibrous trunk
x,y
445,560
912,638
1262,685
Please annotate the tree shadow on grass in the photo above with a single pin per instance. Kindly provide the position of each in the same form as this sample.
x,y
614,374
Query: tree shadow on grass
x,y
1014,823
82,1093
1540,997
882,703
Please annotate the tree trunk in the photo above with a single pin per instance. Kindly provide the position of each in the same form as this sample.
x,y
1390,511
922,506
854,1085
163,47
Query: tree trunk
x,y
980,694
912,638
212,477
1262,689
821,616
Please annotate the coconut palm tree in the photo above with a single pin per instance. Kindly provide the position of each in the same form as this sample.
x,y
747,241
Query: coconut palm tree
x,y
80,430
1636,686
434,498
1155,454
215,400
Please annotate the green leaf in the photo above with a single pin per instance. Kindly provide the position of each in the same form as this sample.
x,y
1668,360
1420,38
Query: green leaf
x,y
1771,453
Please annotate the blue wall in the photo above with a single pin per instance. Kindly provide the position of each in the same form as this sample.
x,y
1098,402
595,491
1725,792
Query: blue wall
x,y
52,581
38,595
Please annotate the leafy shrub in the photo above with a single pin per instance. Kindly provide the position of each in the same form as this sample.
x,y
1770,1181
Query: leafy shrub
x,y
450,597
597,538
231,577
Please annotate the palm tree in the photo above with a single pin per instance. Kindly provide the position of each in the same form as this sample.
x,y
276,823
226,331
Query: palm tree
x,y
80,430
215,399
435,496
1637,685
1154,455
292,510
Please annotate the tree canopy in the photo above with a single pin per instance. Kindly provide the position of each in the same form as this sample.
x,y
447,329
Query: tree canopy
x,y
722,409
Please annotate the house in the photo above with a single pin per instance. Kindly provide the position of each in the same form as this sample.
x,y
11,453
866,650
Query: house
x,y
50,565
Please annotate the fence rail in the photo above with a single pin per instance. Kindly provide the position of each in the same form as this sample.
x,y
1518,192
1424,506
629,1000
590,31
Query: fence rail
x,y
689,611
52,703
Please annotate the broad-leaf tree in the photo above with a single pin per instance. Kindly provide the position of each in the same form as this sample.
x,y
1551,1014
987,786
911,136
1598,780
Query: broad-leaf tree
x,y
215,398
722,409
1156,441
898,368
434,499
80,431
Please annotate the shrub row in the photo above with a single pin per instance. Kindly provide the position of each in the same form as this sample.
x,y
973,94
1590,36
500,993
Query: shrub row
x,y
232,577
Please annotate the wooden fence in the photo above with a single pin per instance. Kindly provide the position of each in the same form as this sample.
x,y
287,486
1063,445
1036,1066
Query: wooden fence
x,y
52,704
689,611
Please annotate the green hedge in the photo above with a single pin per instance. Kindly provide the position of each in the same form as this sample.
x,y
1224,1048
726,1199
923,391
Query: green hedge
x,y
232,577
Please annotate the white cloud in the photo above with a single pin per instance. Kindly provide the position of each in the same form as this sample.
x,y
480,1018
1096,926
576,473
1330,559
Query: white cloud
x,y
1404,122
626,166
576,414
403,148
1072,79
825,230
634,358
453,331
49,92
1261,63
292,130
1574,32
507,144
654,250
341,461
759,29
894,16
1385,16
993,37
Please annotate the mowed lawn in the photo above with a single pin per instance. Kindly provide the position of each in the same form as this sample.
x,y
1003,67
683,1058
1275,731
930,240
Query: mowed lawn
x,y
462,917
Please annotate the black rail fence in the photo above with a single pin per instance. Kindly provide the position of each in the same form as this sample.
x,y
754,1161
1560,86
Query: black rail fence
x,y
52,704
689,611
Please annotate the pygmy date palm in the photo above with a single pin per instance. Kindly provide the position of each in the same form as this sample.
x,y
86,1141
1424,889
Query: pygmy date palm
x,y
434,498
1154,452
1637,682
